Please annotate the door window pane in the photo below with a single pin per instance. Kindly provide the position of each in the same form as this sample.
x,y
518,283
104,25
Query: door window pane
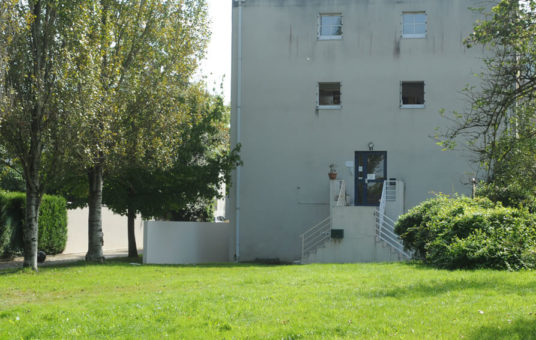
x,y
374,192
376,166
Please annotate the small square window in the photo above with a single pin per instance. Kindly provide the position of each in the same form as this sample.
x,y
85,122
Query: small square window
x,y
412,94
414,25
329,95
330,26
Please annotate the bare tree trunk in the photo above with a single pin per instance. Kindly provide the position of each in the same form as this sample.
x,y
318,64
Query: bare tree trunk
x,y
132,249
95,235
33,201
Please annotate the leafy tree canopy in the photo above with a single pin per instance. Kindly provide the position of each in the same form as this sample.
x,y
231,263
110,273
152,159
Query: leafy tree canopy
x,y
500,123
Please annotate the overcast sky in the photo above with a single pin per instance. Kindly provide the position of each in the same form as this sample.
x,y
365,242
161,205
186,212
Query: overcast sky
x,y
217,64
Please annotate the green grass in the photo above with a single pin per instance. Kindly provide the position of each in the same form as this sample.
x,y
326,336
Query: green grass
x,y
354,301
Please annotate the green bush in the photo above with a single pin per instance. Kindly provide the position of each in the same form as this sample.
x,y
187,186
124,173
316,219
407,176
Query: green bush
x,y
464,233
52,223
512,195
11,219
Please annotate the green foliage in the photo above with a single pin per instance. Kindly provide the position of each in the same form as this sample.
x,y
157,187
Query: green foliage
x,y
499,122
199,211
199,163
52,223
509,194
11,179
11,219
464,233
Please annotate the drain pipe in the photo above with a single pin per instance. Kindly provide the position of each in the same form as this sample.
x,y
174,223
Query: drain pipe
x,y
238,132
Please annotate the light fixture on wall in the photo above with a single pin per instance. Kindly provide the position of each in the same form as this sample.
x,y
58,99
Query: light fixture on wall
x,y
370,146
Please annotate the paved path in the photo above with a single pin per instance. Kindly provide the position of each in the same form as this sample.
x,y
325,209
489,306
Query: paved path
x,y
62,258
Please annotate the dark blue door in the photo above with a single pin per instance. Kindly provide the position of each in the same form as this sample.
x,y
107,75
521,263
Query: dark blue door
x,y
370,173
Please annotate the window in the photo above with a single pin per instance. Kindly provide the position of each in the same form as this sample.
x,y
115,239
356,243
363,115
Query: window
x,y
329,95
412,94
414,25
330,26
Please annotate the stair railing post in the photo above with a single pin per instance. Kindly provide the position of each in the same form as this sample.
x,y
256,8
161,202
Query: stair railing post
x,y
302,246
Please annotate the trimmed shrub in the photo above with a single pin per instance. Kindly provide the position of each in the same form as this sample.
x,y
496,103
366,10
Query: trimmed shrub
x,y
11,219
464,233
52,223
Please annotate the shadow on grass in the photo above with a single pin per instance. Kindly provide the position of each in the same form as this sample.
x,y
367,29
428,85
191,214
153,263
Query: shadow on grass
x,y
130,262
519,329
428,289
115,261
446,285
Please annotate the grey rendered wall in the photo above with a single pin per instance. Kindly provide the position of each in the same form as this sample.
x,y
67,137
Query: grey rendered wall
x,y
287,144
185,242
114,228
359,243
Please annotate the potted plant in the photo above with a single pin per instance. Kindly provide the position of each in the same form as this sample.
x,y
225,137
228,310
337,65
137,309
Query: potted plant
x,y
332,171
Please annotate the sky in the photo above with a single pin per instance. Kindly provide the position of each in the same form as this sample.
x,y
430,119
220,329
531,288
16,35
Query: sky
x,y
217,64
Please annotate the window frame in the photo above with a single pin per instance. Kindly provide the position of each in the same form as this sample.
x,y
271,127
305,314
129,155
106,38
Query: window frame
x,y
328,107
412,106
319,27
415,35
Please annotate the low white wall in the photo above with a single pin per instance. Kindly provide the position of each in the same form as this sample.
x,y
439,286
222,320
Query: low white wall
x,y
186,242
114,228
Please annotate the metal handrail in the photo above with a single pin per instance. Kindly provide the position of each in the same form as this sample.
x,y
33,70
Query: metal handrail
x,y
385,227
342,194
315,236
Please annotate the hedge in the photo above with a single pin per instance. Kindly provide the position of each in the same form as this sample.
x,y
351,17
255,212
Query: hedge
x,y
461,232
52,223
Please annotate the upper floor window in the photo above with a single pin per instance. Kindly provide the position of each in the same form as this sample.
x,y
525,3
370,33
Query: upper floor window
x,y
412,94
329,95
330,26
414,25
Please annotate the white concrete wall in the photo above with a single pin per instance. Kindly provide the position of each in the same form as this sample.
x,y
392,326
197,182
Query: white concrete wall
x,y
114,228
359,243
186,242
287,144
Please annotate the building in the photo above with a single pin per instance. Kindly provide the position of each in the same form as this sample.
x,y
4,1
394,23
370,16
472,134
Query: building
x,y
354,83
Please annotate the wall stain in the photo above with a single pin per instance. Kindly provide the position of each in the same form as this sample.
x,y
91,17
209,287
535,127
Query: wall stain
x,y
290,41
396,47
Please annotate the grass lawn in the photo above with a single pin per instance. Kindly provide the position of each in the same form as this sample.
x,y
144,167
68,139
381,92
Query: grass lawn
x,y
354,301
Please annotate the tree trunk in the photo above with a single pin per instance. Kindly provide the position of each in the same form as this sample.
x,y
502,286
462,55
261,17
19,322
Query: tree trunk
x,y
33,201
132,249
95,235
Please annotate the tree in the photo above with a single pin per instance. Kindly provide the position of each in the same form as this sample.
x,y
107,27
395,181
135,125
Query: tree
x,y
34,124
197,162
500,124
141,51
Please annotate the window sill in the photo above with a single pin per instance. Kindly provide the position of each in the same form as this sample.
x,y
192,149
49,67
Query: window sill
x,y
329,107
413,36
330,37
412,106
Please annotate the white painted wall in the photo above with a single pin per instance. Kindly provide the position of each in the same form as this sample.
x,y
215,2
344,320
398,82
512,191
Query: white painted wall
x,y
186,242
114,227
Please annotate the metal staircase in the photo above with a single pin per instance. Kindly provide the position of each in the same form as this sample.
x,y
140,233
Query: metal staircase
x,y
315,236
320,233
385,226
